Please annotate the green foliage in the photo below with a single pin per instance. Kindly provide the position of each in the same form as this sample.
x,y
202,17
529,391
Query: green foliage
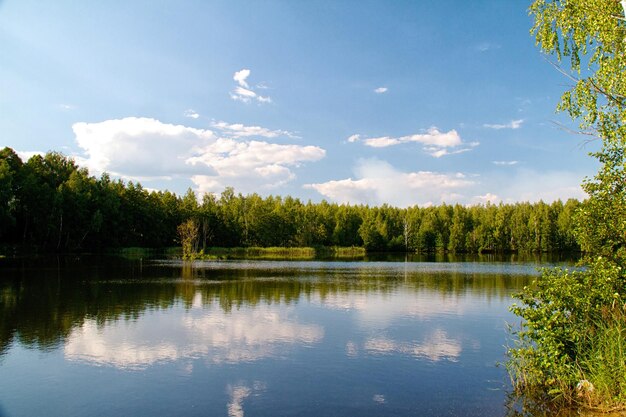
x,y
592,33
570,348
189,235
568,334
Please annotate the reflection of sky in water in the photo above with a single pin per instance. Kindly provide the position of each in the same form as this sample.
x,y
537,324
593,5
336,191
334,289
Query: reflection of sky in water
x,y
343,345
374,313
241,335
437,346
264,331
238,393
382,309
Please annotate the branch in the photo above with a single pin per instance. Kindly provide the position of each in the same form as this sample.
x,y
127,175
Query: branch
x,y
561,70
592,133
616,98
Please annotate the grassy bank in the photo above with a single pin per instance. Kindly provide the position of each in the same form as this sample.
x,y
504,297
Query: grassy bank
x,y
135,252
298,253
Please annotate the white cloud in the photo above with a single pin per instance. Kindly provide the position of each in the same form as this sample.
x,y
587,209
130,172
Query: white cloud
x,y
505,163
513,124
439,152
435,142
381,90
354,138
192,114
382,142
243,92
511,186
484,199
432,137
238,130
250,166
378,183
139,148
143,148
26,155
241,76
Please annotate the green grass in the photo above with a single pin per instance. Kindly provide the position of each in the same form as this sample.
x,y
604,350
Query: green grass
x,y
291,253
135,252
604,364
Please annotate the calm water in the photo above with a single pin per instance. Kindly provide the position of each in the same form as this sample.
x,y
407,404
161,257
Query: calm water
x,y
114,337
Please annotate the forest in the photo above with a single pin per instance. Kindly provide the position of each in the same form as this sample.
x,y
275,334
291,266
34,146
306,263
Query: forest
x,y
50,203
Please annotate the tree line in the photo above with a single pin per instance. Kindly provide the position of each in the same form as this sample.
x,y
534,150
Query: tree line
x,y
49,202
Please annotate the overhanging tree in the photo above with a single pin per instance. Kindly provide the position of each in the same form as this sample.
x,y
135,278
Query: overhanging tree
x,y
572,345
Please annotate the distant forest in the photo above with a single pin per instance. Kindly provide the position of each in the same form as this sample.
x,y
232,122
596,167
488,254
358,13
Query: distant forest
x,y
49,203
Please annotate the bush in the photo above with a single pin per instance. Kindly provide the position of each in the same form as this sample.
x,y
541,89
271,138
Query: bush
x,y
572,331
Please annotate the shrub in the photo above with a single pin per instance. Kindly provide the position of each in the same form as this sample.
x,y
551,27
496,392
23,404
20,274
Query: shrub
x,y
572,331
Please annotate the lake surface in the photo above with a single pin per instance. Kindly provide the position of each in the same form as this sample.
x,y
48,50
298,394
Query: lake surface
x,y
115,337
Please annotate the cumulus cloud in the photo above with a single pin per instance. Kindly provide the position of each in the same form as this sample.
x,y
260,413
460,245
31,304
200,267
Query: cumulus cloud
x,y
250,166
484,199
243,91
435,142
238,130
241,76
139,148
381,90
144,148
532,186
505,163
513,124
377,182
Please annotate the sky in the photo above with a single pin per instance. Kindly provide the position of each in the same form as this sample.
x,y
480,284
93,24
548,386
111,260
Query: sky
x,y
361,102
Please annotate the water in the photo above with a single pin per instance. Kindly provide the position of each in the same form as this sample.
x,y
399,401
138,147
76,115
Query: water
x,y
111,337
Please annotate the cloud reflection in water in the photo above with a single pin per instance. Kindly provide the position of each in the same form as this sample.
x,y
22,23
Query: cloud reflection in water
x,y
438,346
242,335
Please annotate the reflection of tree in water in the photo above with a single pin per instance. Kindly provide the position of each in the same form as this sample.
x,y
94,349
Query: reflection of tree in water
x,y
523,407
42,301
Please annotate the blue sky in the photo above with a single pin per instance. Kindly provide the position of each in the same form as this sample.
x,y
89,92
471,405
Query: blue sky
x,y
399,102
